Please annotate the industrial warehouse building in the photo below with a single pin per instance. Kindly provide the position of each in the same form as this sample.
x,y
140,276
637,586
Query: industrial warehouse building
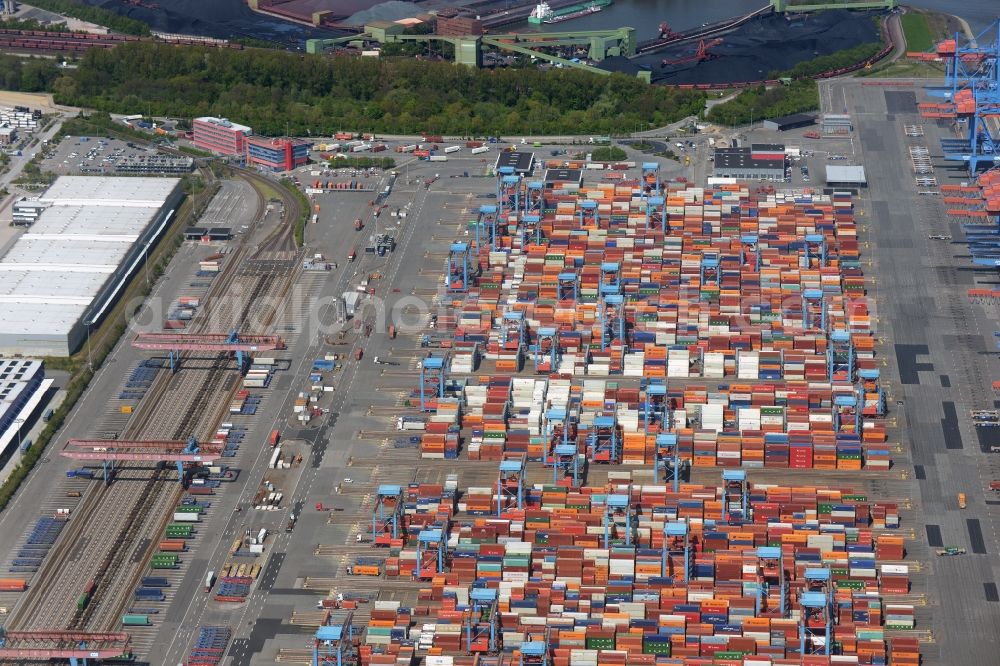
x,y
277,154
521,163
758,162
845,176
68,269
794,121
22,387
220,135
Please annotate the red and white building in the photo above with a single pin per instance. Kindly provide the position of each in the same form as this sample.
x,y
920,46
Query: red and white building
x,y
220,135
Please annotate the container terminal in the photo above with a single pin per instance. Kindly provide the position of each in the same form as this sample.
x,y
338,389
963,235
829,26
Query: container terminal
x,y
608,414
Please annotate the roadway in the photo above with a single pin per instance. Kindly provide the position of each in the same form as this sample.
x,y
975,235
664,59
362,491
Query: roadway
x,y
938,350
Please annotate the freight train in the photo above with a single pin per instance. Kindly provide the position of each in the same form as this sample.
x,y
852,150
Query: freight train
x,y
42,40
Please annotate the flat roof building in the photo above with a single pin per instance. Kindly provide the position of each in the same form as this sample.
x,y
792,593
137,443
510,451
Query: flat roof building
x,y
521,163
845,175
277,154
793,121
560,177
7,136
220,135
73,263
21,389
758,162
26,212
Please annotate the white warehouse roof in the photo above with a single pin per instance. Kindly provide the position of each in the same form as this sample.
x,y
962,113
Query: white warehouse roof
x,y
73,254
854,175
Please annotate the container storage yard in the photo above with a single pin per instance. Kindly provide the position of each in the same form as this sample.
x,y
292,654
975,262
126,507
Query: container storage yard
x,y
574,414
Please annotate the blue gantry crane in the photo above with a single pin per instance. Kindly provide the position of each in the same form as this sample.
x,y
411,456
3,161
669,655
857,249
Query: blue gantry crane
x,y
387,516
432,370
817,613
531,229
650,179
656,214
750,243
977,109
813,309
510,482
611,282
561,449
735,496
508,193
612,319
603,439
460,271
333,644
770,575
486,227
546,349
676,544
840,356
655,406
482,622
535,653
432,542
971,62
567,287
587,214
534,198
620,520
667,464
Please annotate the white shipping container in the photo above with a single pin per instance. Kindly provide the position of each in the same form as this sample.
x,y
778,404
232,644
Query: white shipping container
x,y
452,149
184,517
438,158
480,150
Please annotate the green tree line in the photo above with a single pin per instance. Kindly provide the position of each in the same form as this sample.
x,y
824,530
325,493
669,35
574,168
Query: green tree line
x,y
802,95
760,103
278,92
27,74
84,12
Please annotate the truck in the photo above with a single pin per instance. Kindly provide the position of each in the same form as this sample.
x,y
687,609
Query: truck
x,y
290,525
480,150
961,501
275,437
209,581
438,158
452,149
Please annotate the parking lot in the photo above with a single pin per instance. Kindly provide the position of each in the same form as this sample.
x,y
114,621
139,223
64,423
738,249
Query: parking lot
x,y
90,156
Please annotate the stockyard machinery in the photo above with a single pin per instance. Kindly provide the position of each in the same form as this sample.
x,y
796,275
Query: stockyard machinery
x,y
969,63
241,345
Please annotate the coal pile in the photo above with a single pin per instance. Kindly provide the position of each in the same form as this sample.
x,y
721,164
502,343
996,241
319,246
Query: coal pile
x,y
755,50
222,19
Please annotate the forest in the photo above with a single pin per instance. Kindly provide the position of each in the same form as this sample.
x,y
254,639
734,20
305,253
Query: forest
x,y
278,92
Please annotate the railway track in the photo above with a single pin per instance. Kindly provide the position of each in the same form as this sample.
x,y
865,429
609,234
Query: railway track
x,y
115,528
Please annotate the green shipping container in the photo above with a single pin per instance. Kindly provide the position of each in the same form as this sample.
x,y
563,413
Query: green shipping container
x,y
81,603
135,620
662,649
600,643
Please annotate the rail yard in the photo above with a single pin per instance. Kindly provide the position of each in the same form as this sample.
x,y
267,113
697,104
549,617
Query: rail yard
x,y
571,416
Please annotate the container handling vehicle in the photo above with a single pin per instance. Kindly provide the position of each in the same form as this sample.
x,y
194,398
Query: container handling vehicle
x,y
950,551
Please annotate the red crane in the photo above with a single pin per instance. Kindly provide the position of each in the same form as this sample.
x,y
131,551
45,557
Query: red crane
x,y
701,54
74,645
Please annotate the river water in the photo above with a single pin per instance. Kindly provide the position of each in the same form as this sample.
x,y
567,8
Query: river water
x,y
225,18
646,15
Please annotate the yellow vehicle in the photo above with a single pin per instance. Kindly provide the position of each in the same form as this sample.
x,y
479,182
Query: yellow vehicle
x,y
961,500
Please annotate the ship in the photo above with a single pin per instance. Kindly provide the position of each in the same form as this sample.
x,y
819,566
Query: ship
x,y
543,12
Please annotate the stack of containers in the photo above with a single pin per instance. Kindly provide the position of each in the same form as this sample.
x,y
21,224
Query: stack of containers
x,y
554,576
